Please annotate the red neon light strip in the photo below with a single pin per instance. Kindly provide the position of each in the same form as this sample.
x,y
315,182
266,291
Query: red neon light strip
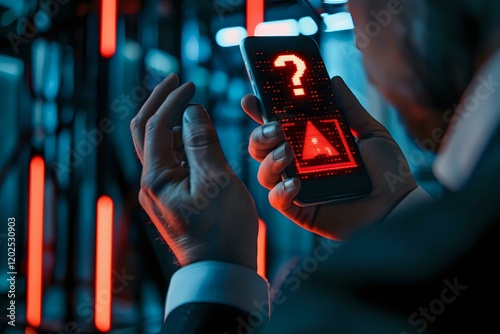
x,y
108,28
255,15
35,241
261,249
104,250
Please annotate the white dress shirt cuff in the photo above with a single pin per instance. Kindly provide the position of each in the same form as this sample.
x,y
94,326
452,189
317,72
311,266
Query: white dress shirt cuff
x,y
218,282
417,197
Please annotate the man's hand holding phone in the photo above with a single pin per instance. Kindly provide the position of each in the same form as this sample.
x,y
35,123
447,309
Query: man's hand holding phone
x,y
200,222
381,154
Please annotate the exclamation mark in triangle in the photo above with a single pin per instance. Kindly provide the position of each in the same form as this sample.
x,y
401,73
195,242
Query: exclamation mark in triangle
x,y
316,145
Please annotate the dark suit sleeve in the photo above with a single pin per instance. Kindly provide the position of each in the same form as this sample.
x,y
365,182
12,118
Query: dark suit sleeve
x,y
207,318
216,297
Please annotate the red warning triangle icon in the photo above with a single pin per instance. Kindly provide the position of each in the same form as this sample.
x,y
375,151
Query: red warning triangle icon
x,y
316,145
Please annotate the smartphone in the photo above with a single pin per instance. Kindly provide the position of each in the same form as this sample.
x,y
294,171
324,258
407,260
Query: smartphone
x,y
291,82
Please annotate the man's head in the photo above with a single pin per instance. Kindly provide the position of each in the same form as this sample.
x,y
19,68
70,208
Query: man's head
x,y
422,54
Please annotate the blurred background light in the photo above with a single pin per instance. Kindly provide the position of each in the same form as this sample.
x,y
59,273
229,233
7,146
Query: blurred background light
x,y
307,26
338,22
35,240
205,49
7,18
255,14
192,47
108,27
288,27
231,36
219,82
104,263
132,50
238,89
190,41
42,21
15,9
160,62
10,66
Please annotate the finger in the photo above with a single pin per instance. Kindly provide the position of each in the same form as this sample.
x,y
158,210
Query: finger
x,y
160,139
175,104
264,139
273,165
161,162
201,145
138,123
281,197
250,105
360,121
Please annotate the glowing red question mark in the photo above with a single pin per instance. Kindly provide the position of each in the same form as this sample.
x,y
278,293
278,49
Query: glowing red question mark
x,y
301,68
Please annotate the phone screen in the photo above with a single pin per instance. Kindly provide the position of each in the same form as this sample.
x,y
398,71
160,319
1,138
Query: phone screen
x,y
295,90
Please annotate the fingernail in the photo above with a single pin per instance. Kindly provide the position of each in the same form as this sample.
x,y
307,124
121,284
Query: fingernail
x,y
289,184
170,76
269,130
195,112
279,153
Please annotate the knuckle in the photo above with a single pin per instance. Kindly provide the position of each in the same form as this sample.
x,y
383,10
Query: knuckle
x,y
263,143
266,178
254,154
254,148
151,184
260,176
134,124
274,167
156,89
257,149
151,123
258,136
201,136
273,200
142,198
277,167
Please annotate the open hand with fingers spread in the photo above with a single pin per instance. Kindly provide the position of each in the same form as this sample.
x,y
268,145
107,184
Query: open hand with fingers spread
x,y
384,160
200,207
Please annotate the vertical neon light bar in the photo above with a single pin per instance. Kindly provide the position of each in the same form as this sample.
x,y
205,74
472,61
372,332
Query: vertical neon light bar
x,y
108,28
104,250
255,15
261,249
35,241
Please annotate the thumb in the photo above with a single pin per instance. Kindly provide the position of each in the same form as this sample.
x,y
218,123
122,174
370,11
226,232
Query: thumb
x,y
201,143
360,121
